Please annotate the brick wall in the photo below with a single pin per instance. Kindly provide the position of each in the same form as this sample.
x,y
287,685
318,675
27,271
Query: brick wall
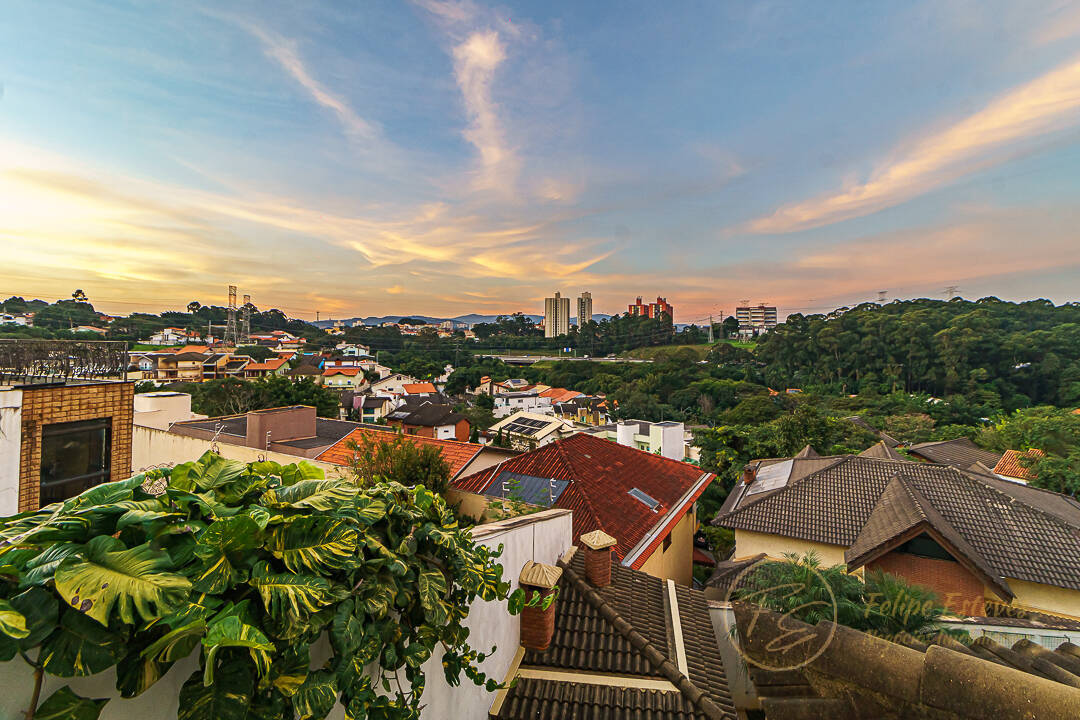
x,y
956,587
73,403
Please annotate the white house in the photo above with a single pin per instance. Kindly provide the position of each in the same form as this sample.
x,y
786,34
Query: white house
x,y
392,385
12,319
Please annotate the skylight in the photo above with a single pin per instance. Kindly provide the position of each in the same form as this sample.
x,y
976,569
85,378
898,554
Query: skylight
x,y
645,498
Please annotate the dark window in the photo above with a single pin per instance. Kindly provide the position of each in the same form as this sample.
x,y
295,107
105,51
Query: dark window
x,y
74,456
925,546
667,543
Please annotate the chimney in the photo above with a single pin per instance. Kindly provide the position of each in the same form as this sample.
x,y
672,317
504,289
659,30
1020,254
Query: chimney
x,y
598,546
749,474
279,424
538,624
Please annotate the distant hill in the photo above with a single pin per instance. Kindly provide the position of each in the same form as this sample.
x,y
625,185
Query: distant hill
x,y
470,319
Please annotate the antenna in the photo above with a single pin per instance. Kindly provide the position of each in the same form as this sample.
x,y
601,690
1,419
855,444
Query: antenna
x,y
951,290
881,296
230,325
245,326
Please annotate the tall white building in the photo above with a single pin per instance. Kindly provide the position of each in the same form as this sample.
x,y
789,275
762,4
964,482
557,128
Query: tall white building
x,y
556,316
755,318
584,308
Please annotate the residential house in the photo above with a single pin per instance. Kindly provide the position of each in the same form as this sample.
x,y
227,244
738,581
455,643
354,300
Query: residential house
x,y
462,458
646,502
418,390
344,378
372,408
172,336
584,410
961,453
667,438
525,400
13,319
270,366
392,385
354,350
559,395
90,329
65,421
162,408
294,430
526,431
429,419
975,539
623,644
306,371
215,366
181,367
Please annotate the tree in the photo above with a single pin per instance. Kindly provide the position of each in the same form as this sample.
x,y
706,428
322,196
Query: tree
x,y
381,455
258,353
79,296
884,605
1055,432
249,566
194,306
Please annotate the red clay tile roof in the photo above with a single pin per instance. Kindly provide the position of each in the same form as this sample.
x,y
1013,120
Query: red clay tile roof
x,y
1010,464
417,388
270,364
602,473
559,395
457,454
351,372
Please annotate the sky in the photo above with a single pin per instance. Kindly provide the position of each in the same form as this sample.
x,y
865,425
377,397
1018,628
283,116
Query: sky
x,y
443,157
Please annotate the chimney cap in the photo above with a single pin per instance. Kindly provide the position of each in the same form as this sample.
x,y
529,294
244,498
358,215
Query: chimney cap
x,y
597,540
539,575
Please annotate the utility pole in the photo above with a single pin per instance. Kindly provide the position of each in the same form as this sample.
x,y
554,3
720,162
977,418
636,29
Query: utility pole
x,y
316,316
710,330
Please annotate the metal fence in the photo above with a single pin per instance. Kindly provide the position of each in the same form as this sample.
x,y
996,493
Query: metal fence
x,y
35,361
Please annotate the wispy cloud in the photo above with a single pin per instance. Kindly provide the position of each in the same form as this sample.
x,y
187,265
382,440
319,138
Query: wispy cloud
x,y
475,62
285,53
1042,106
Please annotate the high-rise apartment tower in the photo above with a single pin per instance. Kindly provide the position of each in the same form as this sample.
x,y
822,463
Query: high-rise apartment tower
x,y
584,308
556,316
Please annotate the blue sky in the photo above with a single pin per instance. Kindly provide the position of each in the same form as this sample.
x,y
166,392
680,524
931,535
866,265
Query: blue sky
x,y
448,157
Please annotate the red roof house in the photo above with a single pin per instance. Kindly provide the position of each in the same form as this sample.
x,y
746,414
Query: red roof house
x,y
458,455
636,497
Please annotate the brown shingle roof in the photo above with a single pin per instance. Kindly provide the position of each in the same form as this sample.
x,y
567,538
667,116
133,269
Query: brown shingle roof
x,y
961,452
623,630
1033,536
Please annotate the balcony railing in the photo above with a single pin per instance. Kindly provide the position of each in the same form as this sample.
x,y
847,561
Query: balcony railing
x,y
36,361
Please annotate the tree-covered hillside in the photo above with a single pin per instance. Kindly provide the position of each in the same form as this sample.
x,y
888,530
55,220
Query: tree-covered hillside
x,y
995,353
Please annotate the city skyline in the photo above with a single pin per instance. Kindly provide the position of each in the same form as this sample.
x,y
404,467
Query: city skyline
x,y
447,157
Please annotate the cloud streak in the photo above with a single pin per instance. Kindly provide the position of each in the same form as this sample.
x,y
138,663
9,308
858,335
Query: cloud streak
x,y
1040,107
284,52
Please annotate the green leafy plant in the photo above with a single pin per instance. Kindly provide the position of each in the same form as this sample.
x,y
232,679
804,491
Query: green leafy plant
x,y
247,565
518,601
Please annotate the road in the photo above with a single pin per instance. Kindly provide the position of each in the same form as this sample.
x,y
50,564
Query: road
x,y
531,359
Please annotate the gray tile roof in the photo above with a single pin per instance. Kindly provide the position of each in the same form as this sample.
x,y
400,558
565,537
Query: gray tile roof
x,y
1017,531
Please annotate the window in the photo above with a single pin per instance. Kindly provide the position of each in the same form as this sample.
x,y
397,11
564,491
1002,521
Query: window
x,y
667,543
74,456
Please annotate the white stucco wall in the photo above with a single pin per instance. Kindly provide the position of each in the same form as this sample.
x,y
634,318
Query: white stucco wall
x,y
10,446
543,537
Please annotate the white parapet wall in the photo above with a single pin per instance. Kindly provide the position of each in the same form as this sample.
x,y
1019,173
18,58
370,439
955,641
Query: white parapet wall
x,y
151,448
10,449
543,537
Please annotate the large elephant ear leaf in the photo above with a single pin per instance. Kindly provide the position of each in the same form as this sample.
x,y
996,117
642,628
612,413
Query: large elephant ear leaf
x,y
314,544
12,622
80,646
292,474
41,568
227,699
313,494
41,609
231,631
64,704
215,472
316,697
289,597
107,574
221,539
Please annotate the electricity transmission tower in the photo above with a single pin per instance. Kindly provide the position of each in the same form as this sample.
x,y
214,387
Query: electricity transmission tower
x,y
951,290
881,296
231,333
245,326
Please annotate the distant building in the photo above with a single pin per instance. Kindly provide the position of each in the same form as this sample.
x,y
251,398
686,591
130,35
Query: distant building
x,y
584,308
556,316
755,319
653,309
